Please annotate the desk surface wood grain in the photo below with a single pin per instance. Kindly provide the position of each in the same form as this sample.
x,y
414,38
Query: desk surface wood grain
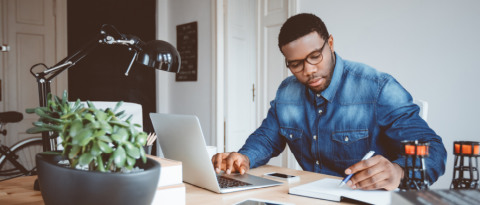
x,y
19,191
197,195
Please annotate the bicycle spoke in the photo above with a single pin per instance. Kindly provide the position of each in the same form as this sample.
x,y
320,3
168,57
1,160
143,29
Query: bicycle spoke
x,y
26,157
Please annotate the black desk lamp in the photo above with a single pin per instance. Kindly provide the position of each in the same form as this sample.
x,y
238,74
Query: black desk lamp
x,y
156,54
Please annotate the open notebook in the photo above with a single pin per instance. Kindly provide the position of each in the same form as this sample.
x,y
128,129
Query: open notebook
x,y
328,189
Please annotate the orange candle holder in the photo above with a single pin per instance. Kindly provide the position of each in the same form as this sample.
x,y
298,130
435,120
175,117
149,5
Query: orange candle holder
x,y
415,174
422,150
466,148
465,170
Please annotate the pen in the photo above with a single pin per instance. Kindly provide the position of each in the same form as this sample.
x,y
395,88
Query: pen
x,y
367,156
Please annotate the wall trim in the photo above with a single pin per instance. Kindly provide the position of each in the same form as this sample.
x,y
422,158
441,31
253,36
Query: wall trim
x,y
289,159
218,74
292,8
3,55
61,43
161,80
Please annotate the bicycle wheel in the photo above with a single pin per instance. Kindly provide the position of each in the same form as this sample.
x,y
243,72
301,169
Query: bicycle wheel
x,y
26,151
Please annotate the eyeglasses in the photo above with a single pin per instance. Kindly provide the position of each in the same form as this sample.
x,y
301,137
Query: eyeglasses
x,y
313,58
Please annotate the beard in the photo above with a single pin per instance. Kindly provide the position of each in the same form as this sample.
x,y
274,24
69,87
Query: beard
x,y
328,77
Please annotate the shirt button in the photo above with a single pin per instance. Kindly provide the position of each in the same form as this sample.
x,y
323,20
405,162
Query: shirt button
x,y
319,111
346,138
291,136
317,162
318,95
314,137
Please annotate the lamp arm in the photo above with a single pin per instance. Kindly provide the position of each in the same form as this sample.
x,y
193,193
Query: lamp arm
x,y
44,78
131,63
68,61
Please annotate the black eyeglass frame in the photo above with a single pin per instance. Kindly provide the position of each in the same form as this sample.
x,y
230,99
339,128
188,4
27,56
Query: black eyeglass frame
x,y
306,59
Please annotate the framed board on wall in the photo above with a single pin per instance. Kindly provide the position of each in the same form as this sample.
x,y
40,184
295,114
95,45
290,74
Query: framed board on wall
x,y
187,46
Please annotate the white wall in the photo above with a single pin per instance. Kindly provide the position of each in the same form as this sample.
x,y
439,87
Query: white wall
x,y
189,98
431,47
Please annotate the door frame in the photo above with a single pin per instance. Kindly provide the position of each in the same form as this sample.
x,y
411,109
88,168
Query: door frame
x,y
218,74
61,47
3,55
218,68
60,34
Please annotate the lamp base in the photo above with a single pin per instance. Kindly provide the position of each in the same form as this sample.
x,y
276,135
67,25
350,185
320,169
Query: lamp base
x,y
36,185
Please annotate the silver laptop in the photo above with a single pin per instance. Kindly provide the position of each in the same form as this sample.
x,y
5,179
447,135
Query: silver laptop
x,y
181,139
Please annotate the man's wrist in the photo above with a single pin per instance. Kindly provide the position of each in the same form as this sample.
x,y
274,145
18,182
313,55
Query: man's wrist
x,y
397,166
248,159
399,169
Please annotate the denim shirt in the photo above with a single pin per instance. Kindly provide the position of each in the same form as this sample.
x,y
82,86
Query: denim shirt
x,y
362,110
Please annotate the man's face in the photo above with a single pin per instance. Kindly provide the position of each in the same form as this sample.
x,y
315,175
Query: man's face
x,y
316,77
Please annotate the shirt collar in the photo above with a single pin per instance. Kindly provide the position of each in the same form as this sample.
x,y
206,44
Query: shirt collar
x,y
329,93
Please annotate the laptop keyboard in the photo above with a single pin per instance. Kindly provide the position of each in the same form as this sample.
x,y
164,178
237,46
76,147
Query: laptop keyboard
x,y
225,182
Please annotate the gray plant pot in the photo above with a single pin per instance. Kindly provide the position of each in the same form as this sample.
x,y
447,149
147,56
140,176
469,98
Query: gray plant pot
x,y
61,185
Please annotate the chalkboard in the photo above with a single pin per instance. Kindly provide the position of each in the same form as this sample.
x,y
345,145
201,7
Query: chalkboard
x,y
187,46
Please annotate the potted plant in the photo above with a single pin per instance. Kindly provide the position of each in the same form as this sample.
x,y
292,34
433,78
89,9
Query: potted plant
x,y
103,145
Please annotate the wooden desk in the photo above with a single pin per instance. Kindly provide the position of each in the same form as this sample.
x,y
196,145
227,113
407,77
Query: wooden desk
x,y
19,191
197,195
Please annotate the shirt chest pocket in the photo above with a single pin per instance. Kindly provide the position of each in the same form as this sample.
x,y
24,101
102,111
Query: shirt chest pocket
x,y
294,139
350,144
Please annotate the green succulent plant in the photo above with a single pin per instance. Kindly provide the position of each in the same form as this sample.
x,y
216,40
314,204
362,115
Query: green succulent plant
x,y
95,137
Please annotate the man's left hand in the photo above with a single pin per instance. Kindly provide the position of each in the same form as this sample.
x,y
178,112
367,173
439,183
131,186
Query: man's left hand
x,y
375,173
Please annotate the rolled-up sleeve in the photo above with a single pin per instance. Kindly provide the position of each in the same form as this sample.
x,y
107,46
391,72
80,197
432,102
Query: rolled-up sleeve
x,y
399,120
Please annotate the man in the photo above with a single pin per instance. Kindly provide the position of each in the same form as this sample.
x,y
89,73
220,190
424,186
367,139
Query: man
x,y
332,112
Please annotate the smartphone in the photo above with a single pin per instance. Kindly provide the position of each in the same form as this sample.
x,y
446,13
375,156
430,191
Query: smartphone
x,y
283,177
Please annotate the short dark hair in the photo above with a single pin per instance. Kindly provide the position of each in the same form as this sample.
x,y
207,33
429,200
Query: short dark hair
x,y
300,25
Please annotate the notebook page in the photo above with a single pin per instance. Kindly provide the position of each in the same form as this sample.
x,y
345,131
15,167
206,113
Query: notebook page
x,y
324,189
330,186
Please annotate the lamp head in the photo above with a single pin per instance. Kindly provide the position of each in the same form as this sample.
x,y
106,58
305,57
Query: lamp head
x,y
160,55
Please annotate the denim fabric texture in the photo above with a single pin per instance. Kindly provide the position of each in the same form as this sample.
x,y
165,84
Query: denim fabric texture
x,y
362,110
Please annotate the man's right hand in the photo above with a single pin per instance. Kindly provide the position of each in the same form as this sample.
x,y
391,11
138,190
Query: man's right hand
x,y
231,162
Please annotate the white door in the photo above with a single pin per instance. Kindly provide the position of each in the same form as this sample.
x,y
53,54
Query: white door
x,y
29,29
271,68
240,72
